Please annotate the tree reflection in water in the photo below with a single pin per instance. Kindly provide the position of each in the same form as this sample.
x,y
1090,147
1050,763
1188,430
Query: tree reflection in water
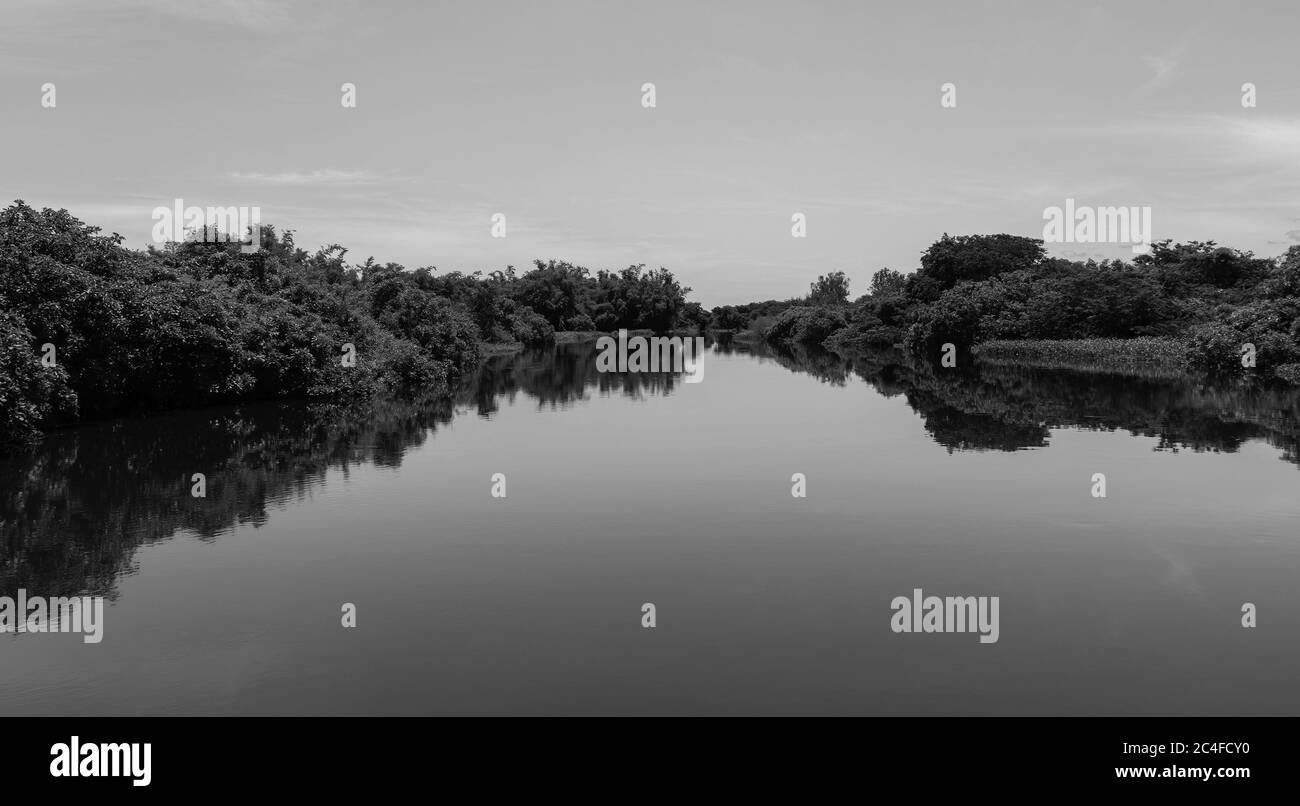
x,y
74,510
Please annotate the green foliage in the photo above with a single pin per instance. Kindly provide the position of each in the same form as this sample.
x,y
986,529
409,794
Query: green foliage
x,y
970,313
866,331
729,317
1201,263
569,298
558,291
530,327
1090,353
1284,280
1288,373
31,395
1271,326
201,322
887,282
952,259
640,300
694,317
804,325
829,289
1206,300
755,316
1214,347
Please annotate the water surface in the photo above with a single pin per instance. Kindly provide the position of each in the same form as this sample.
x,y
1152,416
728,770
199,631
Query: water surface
x,y
623,490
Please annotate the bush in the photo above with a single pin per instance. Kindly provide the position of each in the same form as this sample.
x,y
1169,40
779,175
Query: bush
x,y
531,327
581,323
32,396
1288,373
859,336
1215,347
727,317
804,325
403,368
863,329
970,313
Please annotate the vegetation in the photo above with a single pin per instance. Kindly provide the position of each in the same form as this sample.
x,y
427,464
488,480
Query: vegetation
x,y
89,328
1143,353
1194,305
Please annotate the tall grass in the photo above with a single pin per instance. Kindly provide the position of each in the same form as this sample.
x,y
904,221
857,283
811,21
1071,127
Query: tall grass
x,y
1163,356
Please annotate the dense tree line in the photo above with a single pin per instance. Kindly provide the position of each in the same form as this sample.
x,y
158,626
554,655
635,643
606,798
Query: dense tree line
x,y
90,328
1208,299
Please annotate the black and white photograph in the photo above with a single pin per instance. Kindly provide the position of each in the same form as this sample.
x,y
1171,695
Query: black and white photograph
x,y
935,363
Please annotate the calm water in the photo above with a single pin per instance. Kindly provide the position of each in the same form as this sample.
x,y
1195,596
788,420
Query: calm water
x,y
631,489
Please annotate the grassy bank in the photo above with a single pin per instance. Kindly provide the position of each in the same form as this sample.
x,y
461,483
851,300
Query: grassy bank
x,y
1146,355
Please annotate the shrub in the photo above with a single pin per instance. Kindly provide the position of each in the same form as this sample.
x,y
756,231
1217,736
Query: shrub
x,y
1288,373
405,369
1215,347
580,322
32,396
727,317
804,325
530,327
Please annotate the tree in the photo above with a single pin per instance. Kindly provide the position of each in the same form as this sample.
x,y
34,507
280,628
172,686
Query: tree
x,y
952,259
830,289
1202,263
726,317
887,282
557,290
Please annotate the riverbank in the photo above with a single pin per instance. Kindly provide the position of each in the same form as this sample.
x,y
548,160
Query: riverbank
x,y
1199,306
1148,356
91,329
561,337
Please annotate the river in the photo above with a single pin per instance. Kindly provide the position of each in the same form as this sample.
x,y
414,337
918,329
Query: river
x,y
622,490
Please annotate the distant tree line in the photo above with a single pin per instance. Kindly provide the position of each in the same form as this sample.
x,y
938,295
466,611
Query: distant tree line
x,y
90,328
1208,300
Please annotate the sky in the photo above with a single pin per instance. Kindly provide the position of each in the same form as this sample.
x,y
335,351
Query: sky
x,y
762,110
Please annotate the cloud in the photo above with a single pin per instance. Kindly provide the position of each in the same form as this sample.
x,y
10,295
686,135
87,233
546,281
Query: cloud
x,y
1275,138
1164,73
1165,67
328,176
252,15
249,14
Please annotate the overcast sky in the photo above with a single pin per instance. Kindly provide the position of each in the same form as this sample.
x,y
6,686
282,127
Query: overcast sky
x,y
764,109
